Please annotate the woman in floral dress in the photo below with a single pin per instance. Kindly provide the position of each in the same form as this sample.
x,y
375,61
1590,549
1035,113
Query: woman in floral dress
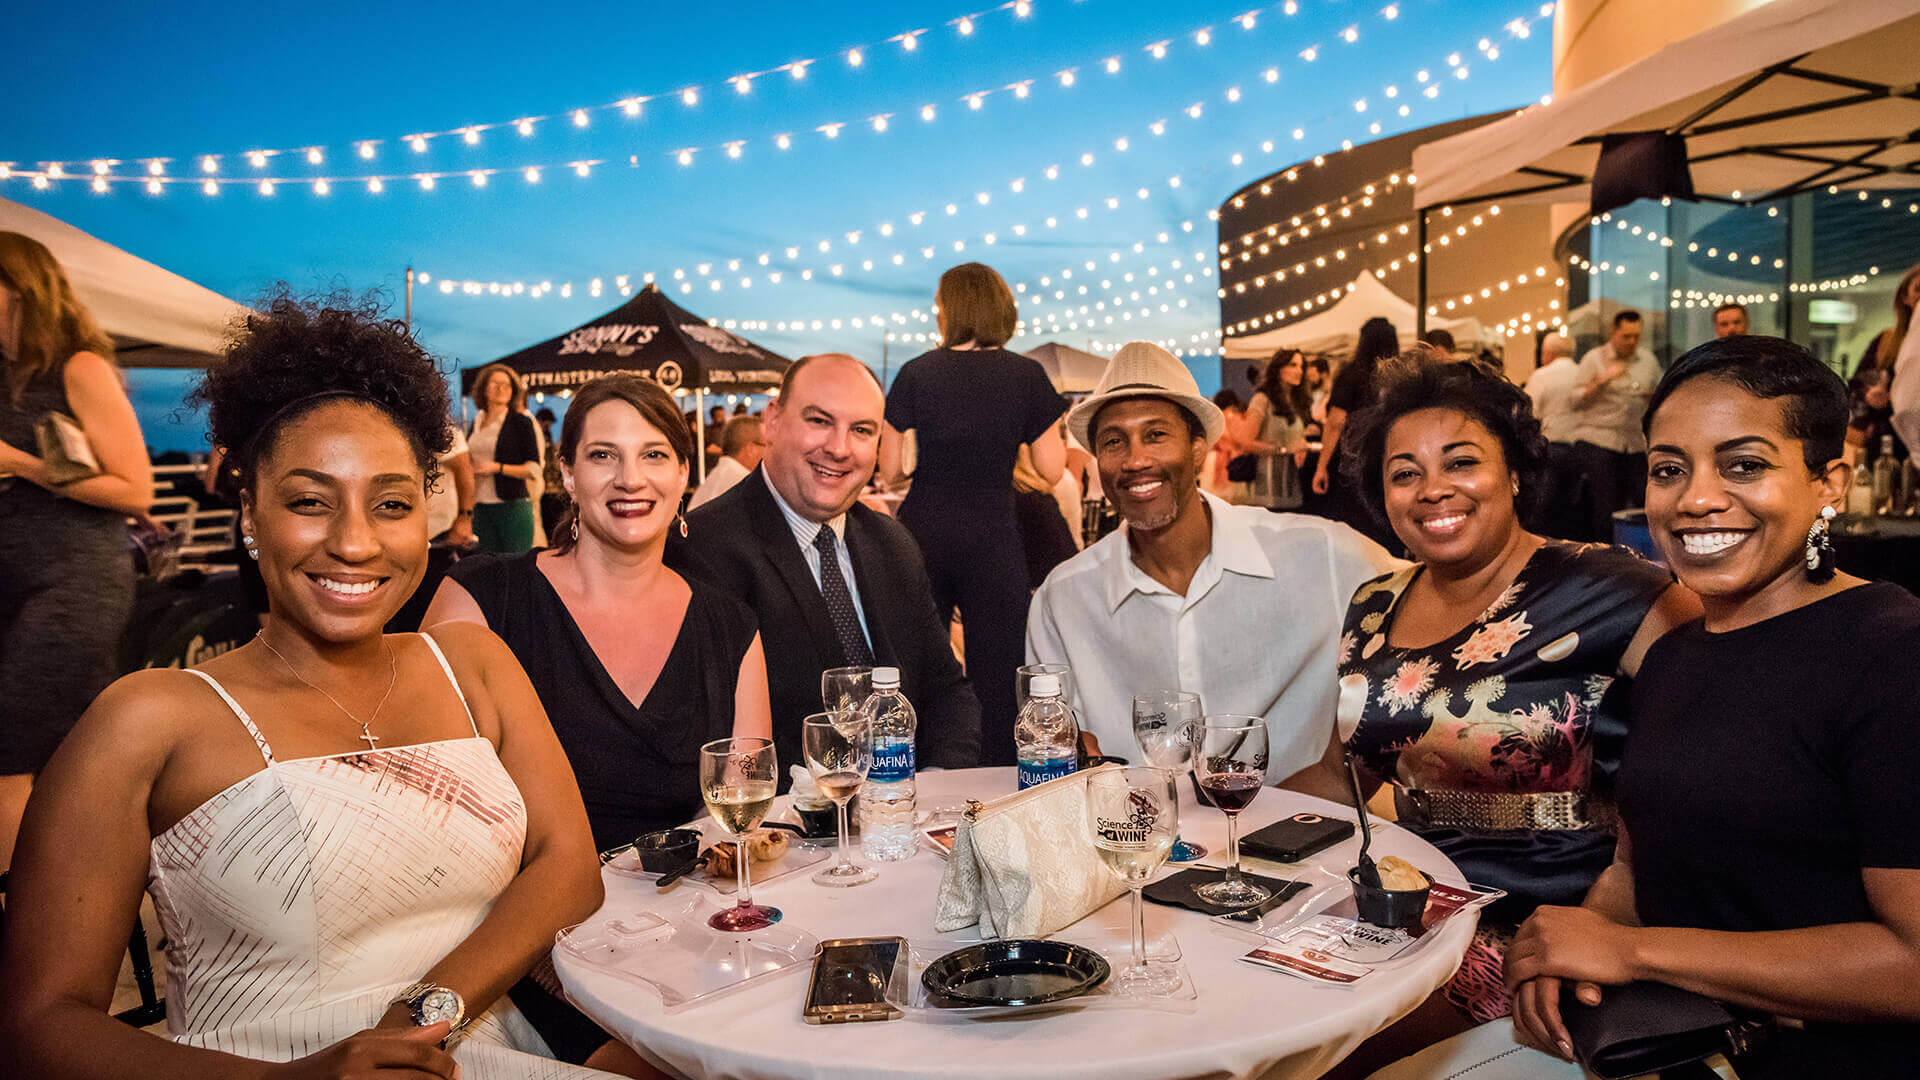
x,y
1485,681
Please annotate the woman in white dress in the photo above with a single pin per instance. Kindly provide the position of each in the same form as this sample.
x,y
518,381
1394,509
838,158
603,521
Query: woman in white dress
x,y
355,843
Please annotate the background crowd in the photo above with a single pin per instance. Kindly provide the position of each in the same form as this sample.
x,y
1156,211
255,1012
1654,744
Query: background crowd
x,y
1693,773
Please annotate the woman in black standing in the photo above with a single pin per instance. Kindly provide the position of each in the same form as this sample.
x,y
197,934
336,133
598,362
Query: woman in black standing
x,y
1353,389
973,406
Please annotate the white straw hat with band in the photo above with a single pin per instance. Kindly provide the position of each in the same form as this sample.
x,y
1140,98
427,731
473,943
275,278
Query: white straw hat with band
x,y
1143,369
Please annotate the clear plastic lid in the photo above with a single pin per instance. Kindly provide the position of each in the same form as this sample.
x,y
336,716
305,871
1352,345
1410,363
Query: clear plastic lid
x,y
886,678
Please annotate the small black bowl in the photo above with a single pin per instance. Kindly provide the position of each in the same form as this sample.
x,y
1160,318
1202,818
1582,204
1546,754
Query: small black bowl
x,y
1398,909
668,849
820,823
1015,972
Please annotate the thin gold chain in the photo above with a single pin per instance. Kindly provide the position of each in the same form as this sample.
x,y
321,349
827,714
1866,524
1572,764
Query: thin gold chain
x,y
366,732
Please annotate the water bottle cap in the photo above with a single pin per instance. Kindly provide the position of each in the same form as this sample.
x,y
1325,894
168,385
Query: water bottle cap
x,y
1045,686
886,678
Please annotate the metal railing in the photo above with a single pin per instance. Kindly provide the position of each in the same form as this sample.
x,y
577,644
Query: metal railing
x,y
207,529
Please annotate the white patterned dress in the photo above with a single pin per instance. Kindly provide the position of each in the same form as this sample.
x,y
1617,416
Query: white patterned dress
x,y
301,900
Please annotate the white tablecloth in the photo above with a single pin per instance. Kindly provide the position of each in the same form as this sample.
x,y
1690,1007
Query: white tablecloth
x,y
1248,1021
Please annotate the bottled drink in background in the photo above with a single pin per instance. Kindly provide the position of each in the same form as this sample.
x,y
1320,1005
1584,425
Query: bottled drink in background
x,y
1860,494
1046,739
886,799
1886,470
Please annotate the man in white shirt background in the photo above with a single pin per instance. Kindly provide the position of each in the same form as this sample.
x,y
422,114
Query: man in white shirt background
x,y
742,445
1238,604
1613,384
1552,386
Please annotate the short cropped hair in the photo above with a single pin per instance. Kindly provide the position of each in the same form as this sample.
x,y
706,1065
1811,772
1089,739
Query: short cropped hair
x,y
1769,367
739,434
1731,305
1474,388
1625,315
977,306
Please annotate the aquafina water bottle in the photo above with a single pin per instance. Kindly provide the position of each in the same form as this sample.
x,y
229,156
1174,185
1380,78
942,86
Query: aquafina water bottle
x,y
886,799
1046,739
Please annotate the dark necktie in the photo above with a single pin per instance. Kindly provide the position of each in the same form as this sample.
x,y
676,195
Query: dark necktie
x,y
833,587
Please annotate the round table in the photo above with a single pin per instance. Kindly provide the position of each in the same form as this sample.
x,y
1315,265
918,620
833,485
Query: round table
x,y
1248,1021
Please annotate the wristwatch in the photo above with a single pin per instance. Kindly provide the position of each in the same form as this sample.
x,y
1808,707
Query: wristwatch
x,y
430,1003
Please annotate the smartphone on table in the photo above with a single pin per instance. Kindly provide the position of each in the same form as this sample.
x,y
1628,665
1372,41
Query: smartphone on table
x,y
851,977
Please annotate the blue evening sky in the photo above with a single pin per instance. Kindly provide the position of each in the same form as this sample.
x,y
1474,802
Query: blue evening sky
x,y
135,80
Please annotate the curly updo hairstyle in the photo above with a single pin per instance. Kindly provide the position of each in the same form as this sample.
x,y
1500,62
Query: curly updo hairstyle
x,y
297,354
1416,380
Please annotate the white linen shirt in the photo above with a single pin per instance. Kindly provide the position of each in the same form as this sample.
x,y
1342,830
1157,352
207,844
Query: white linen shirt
x,y
1255,635
1552,388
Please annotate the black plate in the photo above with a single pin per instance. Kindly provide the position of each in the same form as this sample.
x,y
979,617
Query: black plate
x,y
1016,972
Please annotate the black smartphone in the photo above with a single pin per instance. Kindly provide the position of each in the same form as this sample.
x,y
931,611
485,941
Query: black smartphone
x,y
1295,838
851,977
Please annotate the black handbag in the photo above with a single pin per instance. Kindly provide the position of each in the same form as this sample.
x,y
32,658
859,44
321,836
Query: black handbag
x,y
1240,469
1645,1027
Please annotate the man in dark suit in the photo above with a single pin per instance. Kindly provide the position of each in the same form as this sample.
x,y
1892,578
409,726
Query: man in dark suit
x,y
833,582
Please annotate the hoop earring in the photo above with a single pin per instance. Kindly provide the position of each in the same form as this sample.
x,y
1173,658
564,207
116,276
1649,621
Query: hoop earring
x,y
683,526
1820,548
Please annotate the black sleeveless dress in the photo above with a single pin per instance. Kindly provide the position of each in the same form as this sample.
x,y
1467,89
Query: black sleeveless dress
x,y
638,768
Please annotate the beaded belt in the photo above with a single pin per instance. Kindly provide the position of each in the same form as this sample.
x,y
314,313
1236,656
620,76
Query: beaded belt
x,y
1563,810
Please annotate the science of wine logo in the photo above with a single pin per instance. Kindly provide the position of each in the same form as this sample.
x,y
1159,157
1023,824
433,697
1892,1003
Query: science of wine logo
x,y
1142,814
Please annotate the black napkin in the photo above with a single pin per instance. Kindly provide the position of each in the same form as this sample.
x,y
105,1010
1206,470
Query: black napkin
x,y
1177,891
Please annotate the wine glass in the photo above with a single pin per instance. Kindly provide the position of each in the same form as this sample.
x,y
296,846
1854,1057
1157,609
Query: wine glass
x,y
1232,766
737,780
844,689
838,756
1134,816
1166,724
1023,682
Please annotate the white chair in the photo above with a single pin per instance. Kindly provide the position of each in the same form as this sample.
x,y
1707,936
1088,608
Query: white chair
x,y
1487,1052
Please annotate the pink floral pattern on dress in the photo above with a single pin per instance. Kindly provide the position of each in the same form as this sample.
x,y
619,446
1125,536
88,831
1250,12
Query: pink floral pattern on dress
x,y
1346,648
1410,683
1492,642
1501,603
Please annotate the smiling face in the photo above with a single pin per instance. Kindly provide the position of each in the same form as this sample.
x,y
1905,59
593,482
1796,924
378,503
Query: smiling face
x,y
1449,494
823,437
1729,495
338,514
625,479
1292,370
1149,460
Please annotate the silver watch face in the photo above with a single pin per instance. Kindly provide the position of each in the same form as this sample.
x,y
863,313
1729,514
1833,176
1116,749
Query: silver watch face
x,y
439,1004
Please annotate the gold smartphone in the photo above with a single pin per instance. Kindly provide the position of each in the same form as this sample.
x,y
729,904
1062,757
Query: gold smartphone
x,y
851,977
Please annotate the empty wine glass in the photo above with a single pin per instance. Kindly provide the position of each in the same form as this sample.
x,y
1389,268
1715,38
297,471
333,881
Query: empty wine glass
x,y
1134,817
1232,766
838,756
737,780
844,689
1166,724
1023,682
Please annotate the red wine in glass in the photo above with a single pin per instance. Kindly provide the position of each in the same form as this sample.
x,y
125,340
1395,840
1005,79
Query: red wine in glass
x,y
1231,792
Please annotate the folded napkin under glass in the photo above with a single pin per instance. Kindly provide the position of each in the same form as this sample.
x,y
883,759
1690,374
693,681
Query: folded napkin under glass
x,y
1024,865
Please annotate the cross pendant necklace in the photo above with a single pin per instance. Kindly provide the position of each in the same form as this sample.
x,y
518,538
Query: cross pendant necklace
x,y
366,732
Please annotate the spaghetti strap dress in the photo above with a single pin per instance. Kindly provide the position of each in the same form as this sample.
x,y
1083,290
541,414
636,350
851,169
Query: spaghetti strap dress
x,y
301,900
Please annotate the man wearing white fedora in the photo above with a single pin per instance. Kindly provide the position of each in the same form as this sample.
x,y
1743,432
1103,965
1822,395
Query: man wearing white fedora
x,y
1236,603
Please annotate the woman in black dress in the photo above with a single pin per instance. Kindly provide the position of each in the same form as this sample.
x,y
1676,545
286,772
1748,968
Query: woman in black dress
x,y
972,405
1767,855
66,582
637,666
1353,389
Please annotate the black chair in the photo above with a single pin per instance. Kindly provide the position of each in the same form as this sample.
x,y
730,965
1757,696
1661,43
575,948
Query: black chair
x,y
152,1009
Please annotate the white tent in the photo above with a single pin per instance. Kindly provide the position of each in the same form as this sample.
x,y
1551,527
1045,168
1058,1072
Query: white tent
x,y
156,317
1072,371
1790,96
1332,332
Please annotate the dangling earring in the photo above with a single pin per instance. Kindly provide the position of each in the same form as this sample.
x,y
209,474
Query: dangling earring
x,y
1820,548
252,552
575,530
683,526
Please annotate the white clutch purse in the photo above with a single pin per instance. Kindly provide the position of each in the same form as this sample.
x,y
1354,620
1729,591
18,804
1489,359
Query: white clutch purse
x,y
1024,865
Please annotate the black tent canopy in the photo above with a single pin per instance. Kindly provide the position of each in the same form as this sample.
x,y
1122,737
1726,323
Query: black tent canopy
x,y
648,335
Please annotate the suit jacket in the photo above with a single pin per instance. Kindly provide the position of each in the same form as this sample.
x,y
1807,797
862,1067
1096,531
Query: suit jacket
x,y
742,543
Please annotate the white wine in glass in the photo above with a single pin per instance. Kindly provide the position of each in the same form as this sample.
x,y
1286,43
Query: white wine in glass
x,y
737,779
838,755
1134,815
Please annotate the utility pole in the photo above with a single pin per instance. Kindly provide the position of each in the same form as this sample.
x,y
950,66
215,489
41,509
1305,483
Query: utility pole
x,y
409,303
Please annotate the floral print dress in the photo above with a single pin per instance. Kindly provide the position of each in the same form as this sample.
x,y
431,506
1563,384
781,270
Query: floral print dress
x,y
1524,699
